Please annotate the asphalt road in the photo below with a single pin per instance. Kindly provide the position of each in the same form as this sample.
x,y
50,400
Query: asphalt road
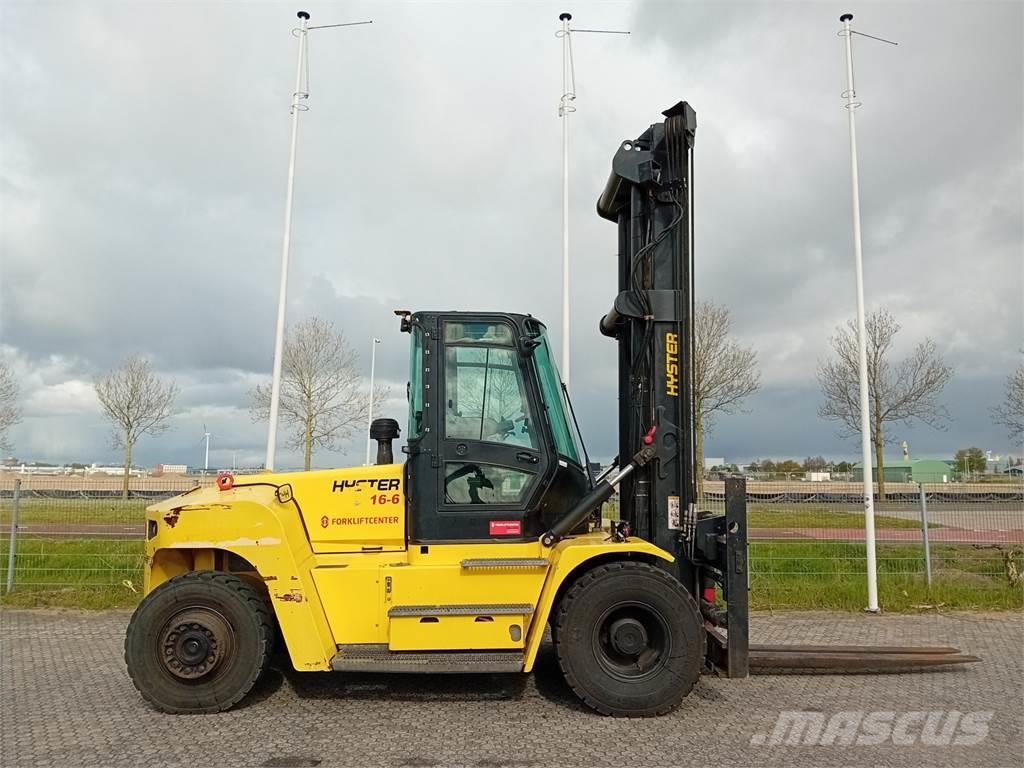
x,y
65,700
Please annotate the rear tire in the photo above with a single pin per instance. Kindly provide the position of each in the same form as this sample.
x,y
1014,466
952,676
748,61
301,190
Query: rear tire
x,y
629,639
198,642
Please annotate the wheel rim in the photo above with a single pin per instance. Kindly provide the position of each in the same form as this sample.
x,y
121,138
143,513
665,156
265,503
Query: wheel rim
x,y
631,641
196,643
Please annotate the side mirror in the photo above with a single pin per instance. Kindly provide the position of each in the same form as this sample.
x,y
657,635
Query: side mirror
x,y
406,325
528,344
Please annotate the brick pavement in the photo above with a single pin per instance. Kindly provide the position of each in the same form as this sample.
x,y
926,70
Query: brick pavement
x,y
65,700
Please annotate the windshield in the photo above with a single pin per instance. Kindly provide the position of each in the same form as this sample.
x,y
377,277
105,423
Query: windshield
x,y
554,399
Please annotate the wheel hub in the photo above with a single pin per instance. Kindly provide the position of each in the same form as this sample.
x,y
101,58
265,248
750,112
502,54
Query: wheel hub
x,y
628,636
194,643
631,640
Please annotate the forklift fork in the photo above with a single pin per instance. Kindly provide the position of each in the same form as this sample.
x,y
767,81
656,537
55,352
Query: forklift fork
x,y
729,651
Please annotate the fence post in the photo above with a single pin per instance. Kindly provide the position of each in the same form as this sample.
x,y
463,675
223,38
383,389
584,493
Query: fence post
x,y
12,542
924,531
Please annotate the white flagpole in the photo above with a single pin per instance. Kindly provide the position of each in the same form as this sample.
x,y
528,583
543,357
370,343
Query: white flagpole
x,y
369,411
865,428
282,298
565,108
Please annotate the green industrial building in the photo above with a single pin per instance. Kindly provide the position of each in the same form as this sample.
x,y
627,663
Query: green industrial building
x,y
914,471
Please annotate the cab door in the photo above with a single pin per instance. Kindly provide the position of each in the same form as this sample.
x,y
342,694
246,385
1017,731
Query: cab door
x,y
493,461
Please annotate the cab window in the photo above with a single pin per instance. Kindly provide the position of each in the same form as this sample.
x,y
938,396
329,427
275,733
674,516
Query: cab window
x,y
485,395
466,483
415,391
554,398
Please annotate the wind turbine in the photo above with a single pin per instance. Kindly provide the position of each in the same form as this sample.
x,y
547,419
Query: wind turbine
x,y
206,437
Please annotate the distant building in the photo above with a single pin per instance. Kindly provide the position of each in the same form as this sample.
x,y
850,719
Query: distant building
x,y
913,471
96,469
712,463
818,477
170,469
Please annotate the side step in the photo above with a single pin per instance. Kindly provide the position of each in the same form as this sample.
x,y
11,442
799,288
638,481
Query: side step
x,y
504,609
505,562
853,658
377,658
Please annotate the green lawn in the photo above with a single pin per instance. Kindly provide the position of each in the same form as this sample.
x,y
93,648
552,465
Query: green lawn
x,y
796,575
76,511
803,516
818,574
818,516
74,573
114,511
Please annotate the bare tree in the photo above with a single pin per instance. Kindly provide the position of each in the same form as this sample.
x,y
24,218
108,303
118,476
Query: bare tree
x,y
905,392
10,412
1010,412
323,399
724,373
136,402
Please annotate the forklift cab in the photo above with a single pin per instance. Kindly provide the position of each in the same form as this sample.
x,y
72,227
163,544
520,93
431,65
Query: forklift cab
x,y
493,455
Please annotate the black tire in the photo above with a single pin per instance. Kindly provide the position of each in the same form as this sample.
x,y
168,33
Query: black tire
x,y
198,642
629,639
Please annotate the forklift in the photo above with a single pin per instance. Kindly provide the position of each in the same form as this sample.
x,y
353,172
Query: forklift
x,y
459,559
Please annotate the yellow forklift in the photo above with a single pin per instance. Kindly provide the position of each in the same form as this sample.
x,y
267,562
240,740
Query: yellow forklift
x,y
490,532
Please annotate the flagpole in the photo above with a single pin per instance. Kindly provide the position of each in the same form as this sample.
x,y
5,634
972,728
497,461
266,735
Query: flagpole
x,y
282,297
298,95
850,94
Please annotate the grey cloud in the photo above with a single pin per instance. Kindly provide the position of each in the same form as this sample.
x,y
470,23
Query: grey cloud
x,y
143,180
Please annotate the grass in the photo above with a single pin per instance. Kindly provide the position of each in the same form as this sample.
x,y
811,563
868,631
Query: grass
x,y
74,573
794,575
831,575
72,511
89,599
816,516
804,516
77,511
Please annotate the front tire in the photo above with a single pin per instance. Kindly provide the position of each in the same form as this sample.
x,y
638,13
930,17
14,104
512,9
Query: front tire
x,y
198,642
629,639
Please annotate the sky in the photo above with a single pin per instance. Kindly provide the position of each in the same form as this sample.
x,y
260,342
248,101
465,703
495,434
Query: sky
x,y
143,161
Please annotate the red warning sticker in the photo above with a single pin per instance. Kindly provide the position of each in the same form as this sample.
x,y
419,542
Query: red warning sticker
x,y
506,528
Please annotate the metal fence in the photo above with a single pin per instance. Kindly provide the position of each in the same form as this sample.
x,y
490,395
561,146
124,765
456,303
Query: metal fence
x,y
936,543
78,535
75,534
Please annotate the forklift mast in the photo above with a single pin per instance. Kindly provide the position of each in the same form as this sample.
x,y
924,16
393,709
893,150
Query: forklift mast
x,y
650,196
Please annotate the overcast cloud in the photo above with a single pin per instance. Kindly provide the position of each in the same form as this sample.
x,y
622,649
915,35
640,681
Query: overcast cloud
x,y
143,151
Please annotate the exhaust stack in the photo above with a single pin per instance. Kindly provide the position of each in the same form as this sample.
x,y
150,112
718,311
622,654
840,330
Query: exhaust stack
x,y
384,431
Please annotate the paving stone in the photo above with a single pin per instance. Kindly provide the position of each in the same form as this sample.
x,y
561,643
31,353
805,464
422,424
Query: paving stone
x,y
65,699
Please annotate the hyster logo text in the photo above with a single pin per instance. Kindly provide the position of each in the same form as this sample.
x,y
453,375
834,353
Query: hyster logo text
x,y
672,364
380,484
